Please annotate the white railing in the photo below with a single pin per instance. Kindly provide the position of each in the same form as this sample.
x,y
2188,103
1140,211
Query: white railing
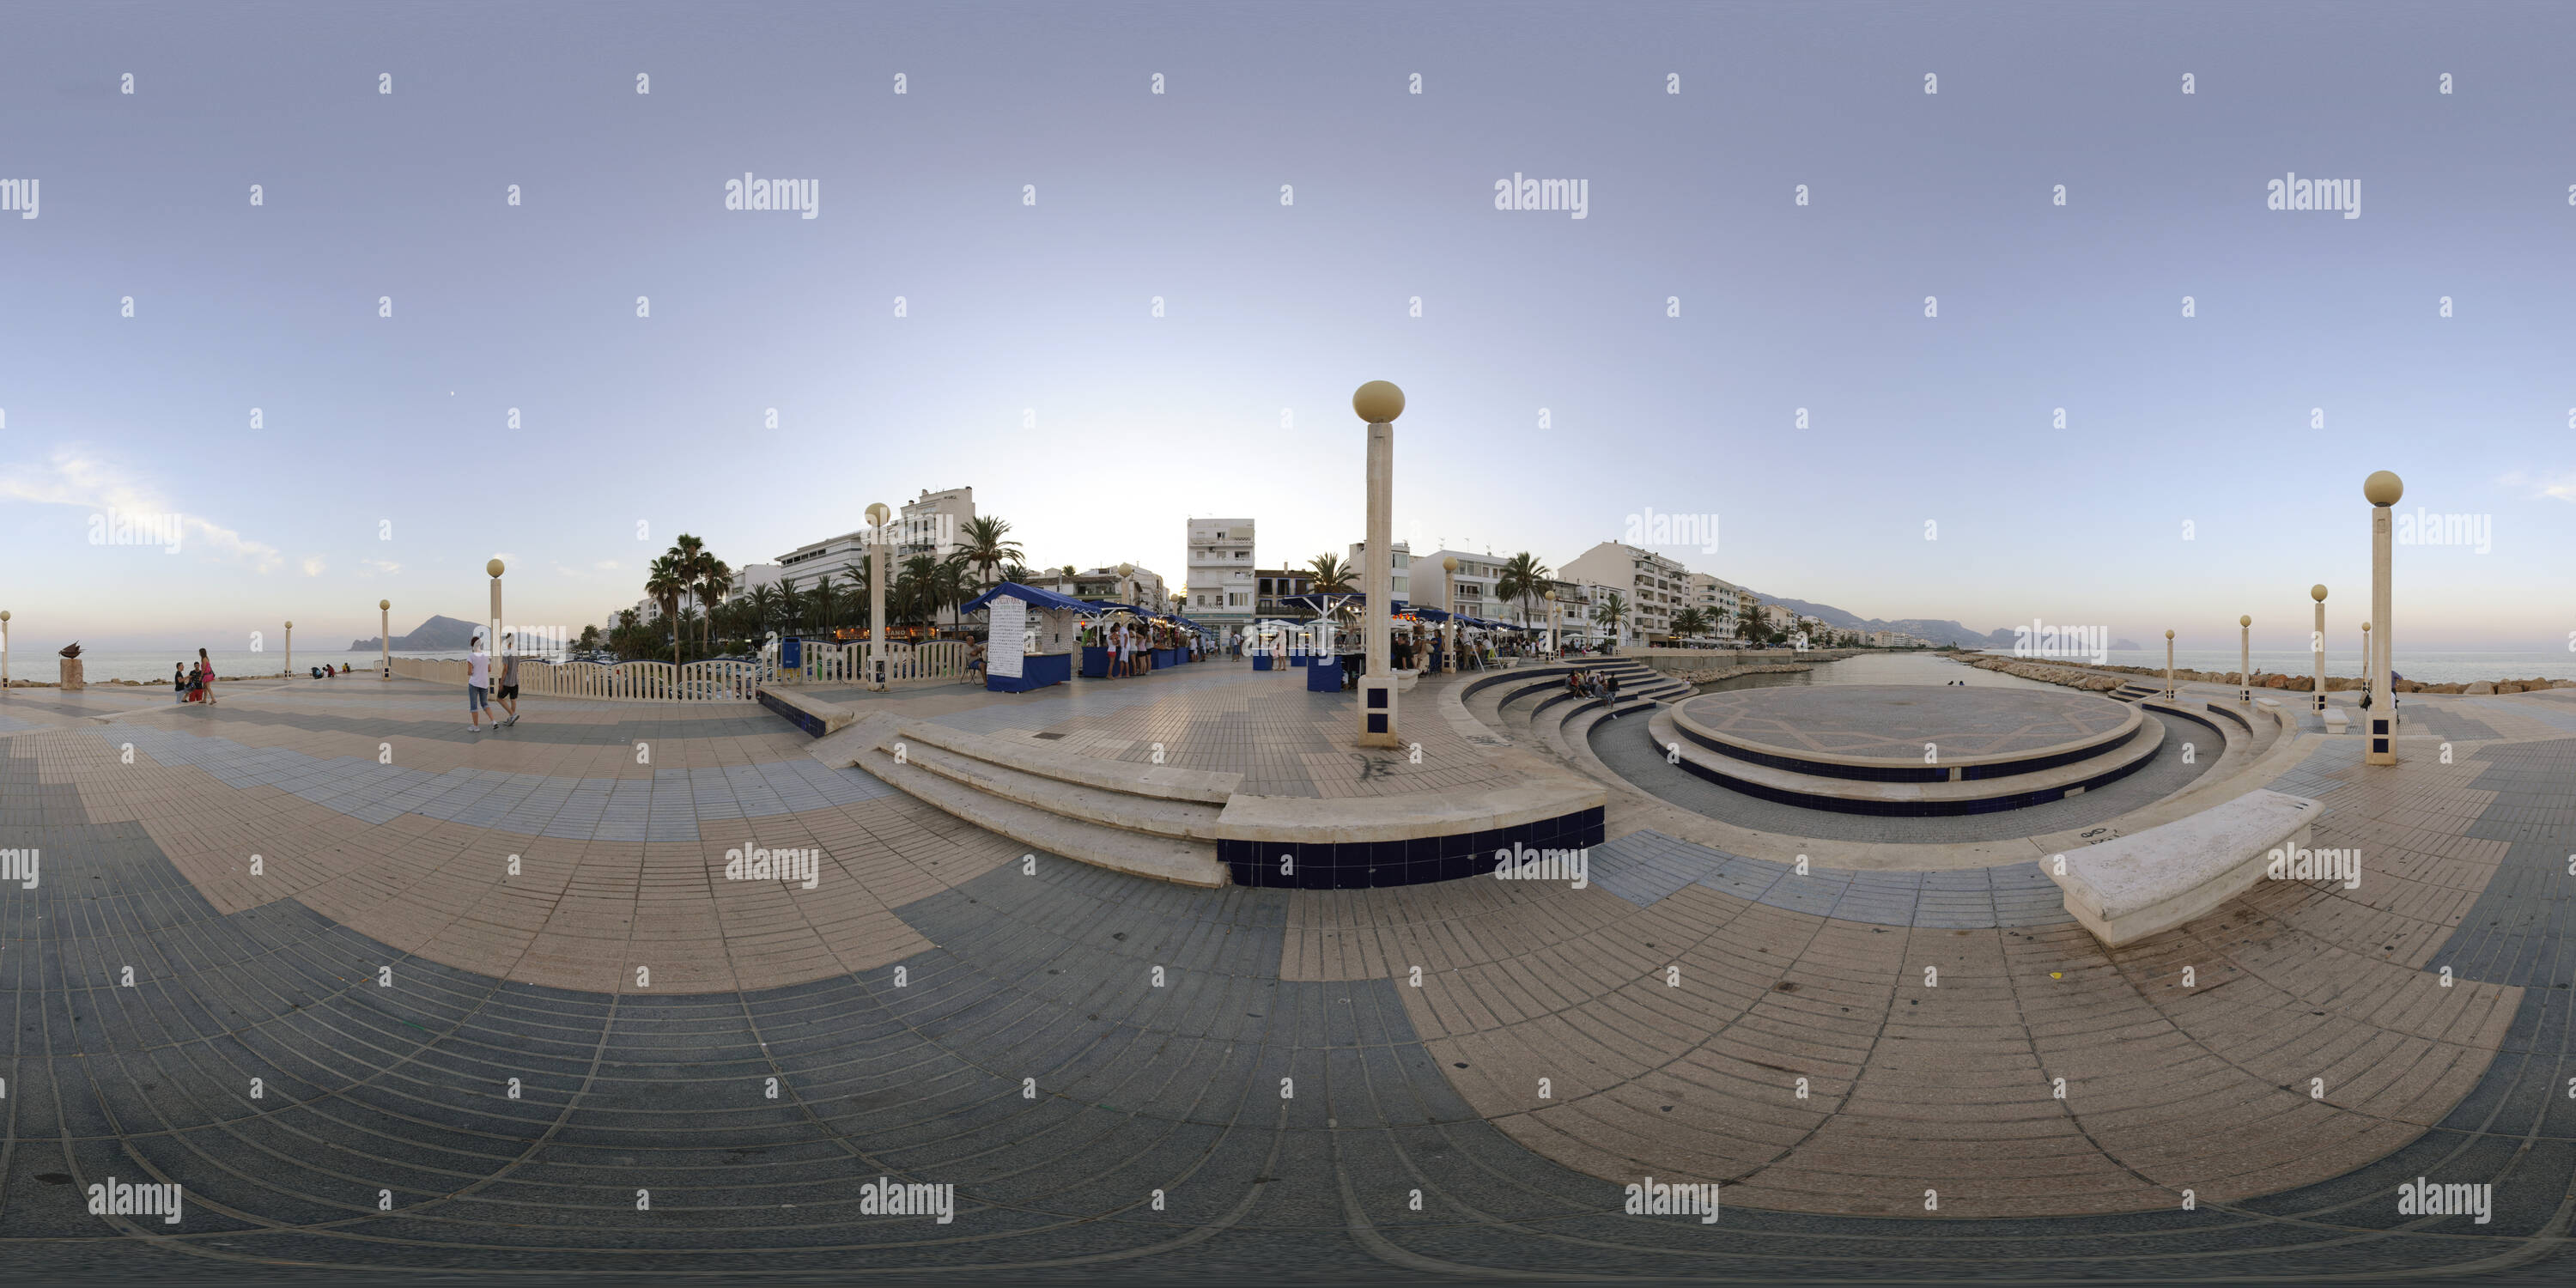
x,y
930,660
624,682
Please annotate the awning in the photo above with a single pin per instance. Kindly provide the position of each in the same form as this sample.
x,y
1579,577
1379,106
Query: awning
x,y
1045,599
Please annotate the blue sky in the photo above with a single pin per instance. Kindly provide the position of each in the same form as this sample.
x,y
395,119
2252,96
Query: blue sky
x,y
1045,309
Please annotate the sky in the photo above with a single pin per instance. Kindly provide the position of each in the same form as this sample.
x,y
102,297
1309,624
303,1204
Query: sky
x,y
1289,200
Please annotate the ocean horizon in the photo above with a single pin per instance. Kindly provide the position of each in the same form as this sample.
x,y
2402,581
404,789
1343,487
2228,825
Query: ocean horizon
x,y
2437,667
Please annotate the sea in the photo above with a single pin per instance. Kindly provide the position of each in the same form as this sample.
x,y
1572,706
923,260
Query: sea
x,y
149,667
2421,667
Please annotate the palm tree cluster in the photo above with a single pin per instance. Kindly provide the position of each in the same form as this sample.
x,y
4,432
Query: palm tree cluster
x,y
922,588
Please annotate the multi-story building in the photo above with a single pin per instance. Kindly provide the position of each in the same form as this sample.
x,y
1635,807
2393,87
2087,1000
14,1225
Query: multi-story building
x,y
932,524
1403,568
1719,600
1477,580
1652,586
1273,589
1222,582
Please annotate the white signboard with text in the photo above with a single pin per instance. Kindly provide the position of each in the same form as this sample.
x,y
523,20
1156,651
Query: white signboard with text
x,y
1010,619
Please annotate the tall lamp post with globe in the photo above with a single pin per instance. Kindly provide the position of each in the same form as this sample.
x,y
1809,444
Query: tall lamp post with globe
x,y
1378,403
385,638
2245,656
2382,490
877,515
2317,644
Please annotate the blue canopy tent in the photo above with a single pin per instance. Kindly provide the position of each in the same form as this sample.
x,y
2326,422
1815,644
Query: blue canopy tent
x,y
1015,667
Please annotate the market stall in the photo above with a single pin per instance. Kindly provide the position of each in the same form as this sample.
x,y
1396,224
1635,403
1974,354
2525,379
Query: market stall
x,y
1031,641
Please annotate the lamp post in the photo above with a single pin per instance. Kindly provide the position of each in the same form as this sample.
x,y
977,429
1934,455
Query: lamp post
x,y
1127,585
2245,654
877,514
1378,403
492,639
4,649
1554,649
1449,600
385,638
290,650
2382,490
2169,689
2317,642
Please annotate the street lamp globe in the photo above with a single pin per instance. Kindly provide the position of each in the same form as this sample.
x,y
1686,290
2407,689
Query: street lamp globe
x,y
2383,488
2317,592
1378,402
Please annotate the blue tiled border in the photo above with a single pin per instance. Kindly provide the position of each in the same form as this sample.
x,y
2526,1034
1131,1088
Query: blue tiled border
x,y
1369,865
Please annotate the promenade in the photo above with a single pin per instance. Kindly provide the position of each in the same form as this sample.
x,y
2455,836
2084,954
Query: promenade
x,y
508,1014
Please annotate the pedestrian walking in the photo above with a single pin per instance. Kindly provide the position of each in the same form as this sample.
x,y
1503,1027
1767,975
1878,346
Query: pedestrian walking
x,y
478,684
509,679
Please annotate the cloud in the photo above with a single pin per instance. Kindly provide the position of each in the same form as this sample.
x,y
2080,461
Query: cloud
x,y
380,565
313,565
75,478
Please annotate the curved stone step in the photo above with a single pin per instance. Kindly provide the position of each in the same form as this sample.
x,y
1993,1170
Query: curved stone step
x,y
1179,819
1866,796
1161,782
1162,858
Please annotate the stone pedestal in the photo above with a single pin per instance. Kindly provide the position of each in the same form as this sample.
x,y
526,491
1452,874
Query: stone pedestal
x,y
72,674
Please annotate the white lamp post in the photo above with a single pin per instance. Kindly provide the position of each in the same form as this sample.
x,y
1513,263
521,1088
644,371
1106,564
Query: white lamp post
x,y
290,650
1553,647
4,649
492,639
385,638
1449,600
1378,403
2245,654
2169,688
877,515
2317,642
2382,490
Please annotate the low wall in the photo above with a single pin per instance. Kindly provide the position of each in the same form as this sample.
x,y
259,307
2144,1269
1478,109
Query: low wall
x,y
1678,661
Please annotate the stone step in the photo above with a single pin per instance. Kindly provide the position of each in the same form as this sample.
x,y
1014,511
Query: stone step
x,y
1178,819
1868,796
1162,858
1159,782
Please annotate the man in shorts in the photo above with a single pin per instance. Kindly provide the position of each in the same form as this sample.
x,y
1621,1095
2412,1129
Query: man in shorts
x,y
509,695
478,684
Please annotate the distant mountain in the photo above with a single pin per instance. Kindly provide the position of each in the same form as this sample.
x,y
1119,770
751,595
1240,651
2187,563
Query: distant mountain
x,y
437,635
1941,631
2130,645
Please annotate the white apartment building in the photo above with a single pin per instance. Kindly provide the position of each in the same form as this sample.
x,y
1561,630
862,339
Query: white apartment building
x,y
1477,575
932,524
1653,587
1220,574
1719,600
1403,568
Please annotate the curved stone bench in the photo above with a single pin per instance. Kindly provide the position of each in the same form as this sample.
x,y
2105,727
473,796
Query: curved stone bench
x,y
2133,886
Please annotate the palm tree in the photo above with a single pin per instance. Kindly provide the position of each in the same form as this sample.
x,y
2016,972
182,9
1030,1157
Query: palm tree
x,y
984,543
1688,622
791,605
1612,612
1331,576
825,603
1523,579
715,581
665,583
763,603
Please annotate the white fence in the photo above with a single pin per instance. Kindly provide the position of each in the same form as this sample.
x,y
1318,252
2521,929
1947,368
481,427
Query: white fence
x,y
624,682
931,660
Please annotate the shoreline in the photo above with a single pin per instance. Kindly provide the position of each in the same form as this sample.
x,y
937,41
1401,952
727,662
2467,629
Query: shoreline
x,y
2051,670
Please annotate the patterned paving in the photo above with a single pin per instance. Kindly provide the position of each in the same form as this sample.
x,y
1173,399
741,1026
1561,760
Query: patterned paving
x,y
1029,1057
1891,723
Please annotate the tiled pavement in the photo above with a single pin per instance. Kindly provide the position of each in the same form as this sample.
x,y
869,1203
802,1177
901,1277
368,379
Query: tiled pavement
x,y
400,1090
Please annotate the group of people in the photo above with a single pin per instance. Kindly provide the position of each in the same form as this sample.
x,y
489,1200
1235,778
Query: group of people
x,y
479,696
196,683
1583,682
328,670
1131,645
